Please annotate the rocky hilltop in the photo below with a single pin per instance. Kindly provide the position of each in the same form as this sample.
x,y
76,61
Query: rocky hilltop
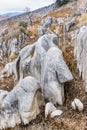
x,y
40,51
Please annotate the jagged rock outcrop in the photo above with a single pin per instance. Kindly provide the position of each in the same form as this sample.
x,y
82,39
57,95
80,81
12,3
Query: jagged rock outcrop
x,y
83,7
55,73
46,24
69,24
21,104
80,51
10,45
36,54
24,59
44,61
42,46
3,94
58,24
9,70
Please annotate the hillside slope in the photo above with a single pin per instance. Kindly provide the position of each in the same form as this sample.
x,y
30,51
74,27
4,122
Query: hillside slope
x,y
70,119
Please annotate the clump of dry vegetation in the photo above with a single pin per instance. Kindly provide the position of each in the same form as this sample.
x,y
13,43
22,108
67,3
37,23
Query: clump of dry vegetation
x,y
33,31
82,19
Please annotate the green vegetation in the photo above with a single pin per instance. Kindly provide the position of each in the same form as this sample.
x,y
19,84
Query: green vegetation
x,y
22,23
62,2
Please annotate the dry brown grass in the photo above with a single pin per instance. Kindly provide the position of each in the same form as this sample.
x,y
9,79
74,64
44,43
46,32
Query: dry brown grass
x,y
33,31
63,12
13,56
58,28
53,26
82,19
14,31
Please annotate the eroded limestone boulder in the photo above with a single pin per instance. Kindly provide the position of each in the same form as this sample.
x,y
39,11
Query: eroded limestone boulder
x,y
21,104
9,69
80,51
83,6
69,24
56,113
49,108
43,44
77,105
24,59
3,94
35,54
55,74
46,22
14,46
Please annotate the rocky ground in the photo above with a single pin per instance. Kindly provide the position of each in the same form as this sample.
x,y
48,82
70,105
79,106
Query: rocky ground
x,y
70,119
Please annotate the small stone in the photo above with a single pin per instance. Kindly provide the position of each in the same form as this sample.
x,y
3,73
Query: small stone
x,y
49,108
77,104
56,113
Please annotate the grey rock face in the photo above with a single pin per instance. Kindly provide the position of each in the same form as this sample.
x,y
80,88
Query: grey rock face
x,y
45,25
44,61
69,24
42,46
5,31
83,7
80,51
10,46
14,46
25,67
46,22
26,51
19,65
9,69
55,73
3,94
60,20
21,104
41,31
36,50
23,61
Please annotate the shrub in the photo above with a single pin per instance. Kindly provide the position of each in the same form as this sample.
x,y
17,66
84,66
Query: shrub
x,y
22,23
61,2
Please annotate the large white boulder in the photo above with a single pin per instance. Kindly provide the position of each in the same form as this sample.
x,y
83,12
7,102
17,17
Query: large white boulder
x,y
21,104
55,73
80,51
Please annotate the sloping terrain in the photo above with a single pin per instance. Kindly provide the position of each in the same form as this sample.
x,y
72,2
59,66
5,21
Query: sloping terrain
x,y
70,119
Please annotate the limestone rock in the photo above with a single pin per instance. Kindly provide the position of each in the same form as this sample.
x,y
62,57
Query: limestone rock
x,y
55,72
36,53
80,51
21,104
49,108
3,94
77,104
9,69
56,113
69,24
13,56
83,6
